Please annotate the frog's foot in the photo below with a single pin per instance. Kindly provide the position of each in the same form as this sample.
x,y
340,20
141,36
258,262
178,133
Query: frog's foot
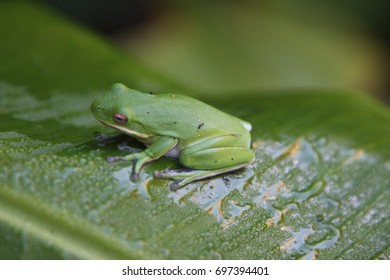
x,y
195,175
185,176
174,174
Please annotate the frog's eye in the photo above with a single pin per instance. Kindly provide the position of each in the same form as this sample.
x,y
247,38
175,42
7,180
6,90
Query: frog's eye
x,y
120,118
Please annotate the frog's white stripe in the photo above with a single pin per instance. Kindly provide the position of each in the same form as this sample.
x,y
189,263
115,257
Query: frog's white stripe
x,y
126,130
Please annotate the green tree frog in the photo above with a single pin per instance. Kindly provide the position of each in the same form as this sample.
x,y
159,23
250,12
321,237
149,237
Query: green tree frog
x,y
206,141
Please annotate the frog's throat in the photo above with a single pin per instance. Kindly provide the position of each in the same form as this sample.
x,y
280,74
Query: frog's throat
x,y
127,131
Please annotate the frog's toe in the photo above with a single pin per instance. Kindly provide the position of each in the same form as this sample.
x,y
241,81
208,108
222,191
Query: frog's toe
x,y
134,177
167,173
174,186
157,174
173,174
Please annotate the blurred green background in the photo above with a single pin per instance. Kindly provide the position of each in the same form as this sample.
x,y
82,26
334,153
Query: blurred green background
x,y
233,46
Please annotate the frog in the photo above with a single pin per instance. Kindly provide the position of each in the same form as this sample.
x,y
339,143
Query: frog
x,y
206,141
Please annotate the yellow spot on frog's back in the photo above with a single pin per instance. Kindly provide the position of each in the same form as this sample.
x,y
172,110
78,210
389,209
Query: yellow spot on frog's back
x,y
173,95
194,113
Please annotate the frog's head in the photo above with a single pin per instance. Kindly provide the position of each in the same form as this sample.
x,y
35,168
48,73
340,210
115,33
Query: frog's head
x,y
114,108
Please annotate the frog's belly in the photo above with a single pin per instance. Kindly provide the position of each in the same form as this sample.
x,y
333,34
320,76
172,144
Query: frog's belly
x,y
173,153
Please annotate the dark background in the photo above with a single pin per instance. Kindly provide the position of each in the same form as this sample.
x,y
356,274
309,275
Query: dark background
x,y
115,18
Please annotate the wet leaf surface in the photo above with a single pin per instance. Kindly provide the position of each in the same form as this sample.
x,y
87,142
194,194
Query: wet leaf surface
x,y
318,189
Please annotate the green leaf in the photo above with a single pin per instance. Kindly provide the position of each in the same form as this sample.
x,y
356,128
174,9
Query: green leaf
x,y
319,187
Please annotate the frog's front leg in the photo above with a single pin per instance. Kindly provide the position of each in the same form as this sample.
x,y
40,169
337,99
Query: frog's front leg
x,y
156,150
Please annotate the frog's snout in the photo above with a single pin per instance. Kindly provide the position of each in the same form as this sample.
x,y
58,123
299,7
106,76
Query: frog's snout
x,y
95,106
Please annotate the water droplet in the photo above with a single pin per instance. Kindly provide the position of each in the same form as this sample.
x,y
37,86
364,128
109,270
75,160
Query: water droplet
x,y
313,190
329,240
298,239
237,210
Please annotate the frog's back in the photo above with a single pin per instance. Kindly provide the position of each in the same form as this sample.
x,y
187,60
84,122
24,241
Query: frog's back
x,y
184,117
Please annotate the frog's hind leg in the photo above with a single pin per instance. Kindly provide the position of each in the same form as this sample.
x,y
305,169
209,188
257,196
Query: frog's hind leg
x,y
183,178
207,163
